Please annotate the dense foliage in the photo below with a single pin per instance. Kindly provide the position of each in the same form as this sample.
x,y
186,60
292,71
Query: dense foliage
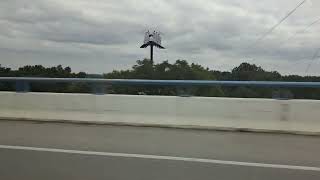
x,y
40,71
179,70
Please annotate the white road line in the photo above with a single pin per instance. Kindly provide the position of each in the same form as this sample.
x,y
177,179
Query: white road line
x,y
171,158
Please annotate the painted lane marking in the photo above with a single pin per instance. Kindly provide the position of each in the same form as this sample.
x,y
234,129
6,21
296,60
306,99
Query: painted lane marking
x,y
158,157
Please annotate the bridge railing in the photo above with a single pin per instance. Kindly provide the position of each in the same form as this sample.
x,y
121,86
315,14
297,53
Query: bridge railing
x,y
22,84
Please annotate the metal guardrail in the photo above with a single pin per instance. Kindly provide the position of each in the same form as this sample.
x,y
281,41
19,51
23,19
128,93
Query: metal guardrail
x,y
22,83
280,84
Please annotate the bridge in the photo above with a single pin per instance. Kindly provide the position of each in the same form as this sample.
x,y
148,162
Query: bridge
x,y
110,136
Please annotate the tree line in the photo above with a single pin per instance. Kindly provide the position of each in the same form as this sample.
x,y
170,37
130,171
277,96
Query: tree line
x,y
179,70
40,71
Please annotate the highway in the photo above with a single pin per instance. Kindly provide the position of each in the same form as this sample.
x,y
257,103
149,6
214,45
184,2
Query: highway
x,y
37,151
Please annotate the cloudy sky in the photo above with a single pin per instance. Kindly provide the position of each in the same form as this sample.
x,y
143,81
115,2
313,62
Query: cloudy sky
x,y
98,36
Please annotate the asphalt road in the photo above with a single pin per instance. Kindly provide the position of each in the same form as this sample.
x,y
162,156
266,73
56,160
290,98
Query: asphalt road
x,y
40,151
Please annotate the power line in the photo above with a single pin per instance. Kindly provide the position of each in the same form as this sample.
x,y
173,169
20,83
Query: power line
x,y
314,22
278,24
305,29
313,58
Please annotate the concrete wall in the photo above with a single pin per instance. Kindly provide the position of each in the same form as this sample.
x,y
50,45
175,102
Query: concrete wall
x,y
266,114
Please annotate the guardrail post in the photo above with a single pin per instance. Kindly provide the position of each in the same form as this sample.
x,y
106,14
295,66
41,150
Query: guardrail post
x,y
184,91
22,86
99,88
282,94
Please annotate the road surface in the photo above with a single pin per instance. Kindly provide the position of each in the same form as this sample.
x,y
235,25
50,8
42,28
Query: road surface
x,y
38,151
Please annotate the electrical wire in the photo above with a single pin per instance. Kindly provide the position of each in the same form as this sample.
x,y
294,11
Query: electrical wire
x,y
303,31
312,59
278,24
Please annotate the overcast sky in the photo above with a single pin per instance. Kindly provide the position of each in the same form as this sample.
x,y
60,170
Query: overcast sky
x,y
98,36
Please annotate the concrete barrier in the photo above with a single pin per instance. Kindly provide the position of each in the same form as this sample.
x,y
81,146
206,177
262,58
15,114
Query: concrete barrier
x,y
301,116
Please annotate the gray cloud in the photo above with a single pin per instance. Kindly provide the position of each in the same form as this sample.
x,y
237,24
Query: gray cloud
x,y
99,36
